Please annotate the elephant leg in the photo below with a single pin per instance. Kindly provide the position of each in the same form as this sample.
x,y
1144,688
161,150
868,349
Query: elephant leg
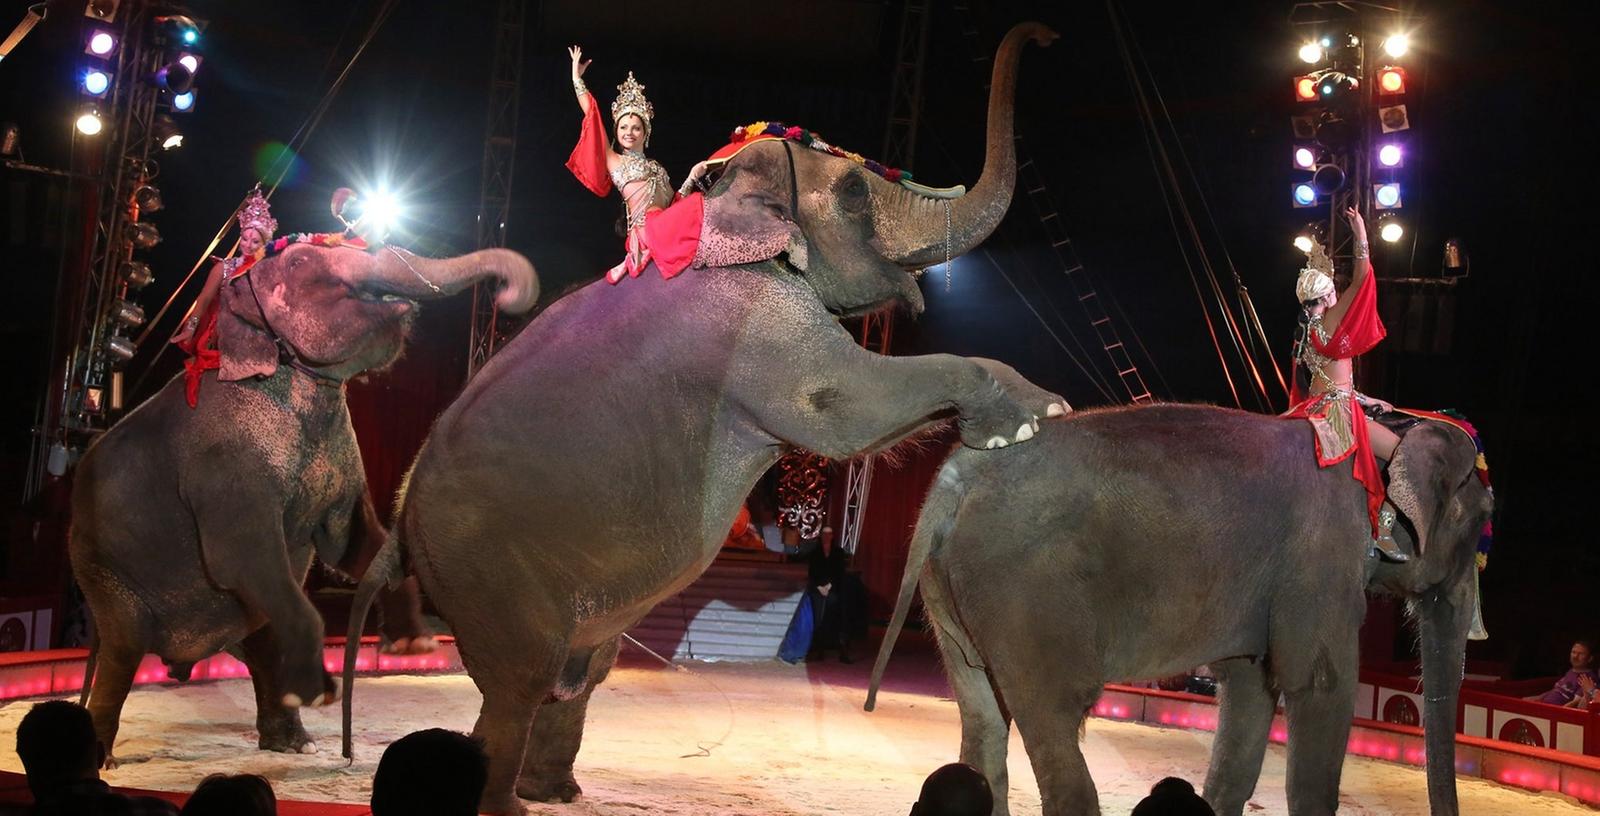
x,y
114,670
1315,665
279,727
1244,721
518,670
1049,678
985,727
241,538
401,608
402,619
556,736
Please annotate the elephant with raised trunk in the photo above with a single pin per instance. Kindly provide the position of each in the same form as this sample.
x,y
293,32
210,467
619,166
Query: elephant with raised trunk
x,y
193,528
592,468
1137,543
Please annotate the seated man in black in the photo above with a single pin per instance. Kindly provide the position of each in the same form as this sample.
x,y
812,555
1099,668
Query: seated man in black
x,y
840,600
62,757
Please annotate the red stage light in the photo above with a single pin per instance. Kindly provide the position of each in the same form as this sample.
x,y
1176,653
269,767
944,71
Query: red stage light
x,y
1305,89
1392,80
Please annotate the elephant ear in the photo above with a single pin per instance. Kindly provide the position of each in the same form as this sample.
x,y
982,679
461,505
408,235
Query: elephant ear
x,y
246,351
1430,464
747,214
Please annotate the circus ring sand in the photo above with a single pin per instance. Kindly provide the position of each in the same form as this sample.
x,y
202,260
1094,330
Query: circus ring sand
x,y
729,738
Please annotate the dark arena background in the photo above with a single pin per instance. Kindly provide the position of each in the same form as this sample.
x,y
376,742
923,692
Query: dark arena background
x,y
1148,255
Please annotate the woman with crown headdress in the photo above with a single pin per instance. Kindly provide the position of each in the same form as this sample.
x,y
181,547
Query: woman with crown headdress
x,y
600,165
197,335
1337,329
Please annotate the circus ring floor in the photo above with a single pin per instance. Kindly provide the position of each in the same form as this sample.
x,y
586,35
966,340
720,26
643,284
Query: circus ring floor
x,y
763,738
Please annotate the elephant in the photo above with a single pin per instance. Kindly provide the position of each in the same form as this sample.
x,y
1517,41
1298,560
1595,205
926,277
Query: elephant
x,y
193,528
1134,543
592,467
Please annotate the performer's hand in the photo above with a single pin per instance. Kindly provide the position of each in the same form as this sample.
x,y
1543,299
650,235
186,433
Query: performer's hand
x,y
1357,224
579,64
1387,407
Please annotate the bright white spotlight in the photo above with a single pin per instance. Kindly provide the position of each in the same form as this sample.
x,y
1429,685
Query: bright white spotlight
x,y
101,43
382,210
190,61
1397,45
1311,53
1303,243
1390,229
89,122
96,82
1389,155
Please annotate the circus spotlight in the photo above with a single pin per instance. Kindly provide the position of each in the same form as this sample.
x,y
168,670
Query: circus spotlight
x,y
1397,45
1389,228
89,122
1387,196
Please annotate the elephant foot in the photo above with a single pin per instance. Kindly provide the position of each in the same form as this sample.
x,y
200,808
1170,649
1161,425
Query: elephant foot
x,y
498,806
332,689
285,736
111,762
419,645
551,788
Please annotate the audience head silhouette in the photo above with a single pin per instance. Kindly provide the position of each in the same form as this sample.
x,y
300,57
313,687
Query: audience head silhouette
x,y
954,790
223,795
57,745
1173,797
430,773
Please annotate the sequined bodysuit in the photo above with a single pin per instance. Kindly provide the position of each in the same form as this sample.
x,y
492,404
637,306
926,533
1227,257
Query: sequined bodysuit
x,y
655,191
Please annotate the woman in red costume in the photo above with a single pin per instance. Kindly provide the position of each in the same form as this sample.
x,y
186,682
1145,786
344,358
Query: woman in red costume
x,y
198,334
1338,329
643,183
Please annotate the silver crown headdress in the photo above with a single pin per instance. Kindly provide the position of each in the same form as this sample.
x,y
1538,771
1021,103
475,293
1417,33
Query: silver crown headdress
x,y
256,215
1316,279
631,99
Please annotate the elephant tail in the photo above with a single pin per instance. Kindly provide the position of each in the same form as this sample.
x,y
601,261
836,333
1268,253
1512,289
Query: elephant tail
x,y
933,524
88,665
387,568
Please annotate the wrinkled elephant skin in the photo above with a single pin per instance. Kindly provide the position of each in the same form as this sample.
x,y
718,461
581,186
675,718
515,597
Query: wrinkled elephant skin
x,y
1133,544
193,528
592,467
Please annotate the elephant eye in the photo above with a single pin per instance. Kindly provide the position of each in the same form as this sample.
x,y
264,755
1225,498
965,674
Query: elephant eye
x,y
853,193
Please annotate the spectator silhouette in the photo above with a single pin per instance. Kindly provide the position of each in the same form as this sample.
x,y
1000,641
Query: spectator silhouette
x,y
223,795
62,758
434,772
1173,797
956,789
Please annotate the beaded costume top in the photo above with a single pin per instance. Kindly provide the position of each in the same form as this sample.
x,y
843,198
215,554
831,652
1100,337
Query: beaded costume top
x,y
655,194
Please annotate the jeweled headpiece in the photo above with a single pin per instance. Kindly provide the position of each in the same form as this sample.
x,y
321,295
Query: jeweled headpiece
x,y
631,99
256,215
1316,279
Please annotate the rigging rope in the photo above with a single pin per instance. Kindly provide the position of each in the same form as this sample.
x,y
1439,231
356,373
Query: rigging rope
x,y
1172,189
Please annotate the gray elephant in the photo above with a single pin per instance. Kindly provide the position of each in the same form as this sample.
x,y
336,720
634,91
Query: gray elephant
x,y
193,528
593,467
1136,543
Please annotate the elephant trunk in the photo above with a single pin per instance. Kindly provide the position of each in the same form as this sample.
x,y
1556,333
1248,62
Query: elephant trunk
x,y
400,272
918,230
1445,613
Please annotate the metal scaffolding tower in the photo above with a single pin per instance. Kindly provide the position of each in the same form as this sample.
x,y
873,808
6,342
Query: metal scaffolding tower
x,y
85,392
899,150
499,158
